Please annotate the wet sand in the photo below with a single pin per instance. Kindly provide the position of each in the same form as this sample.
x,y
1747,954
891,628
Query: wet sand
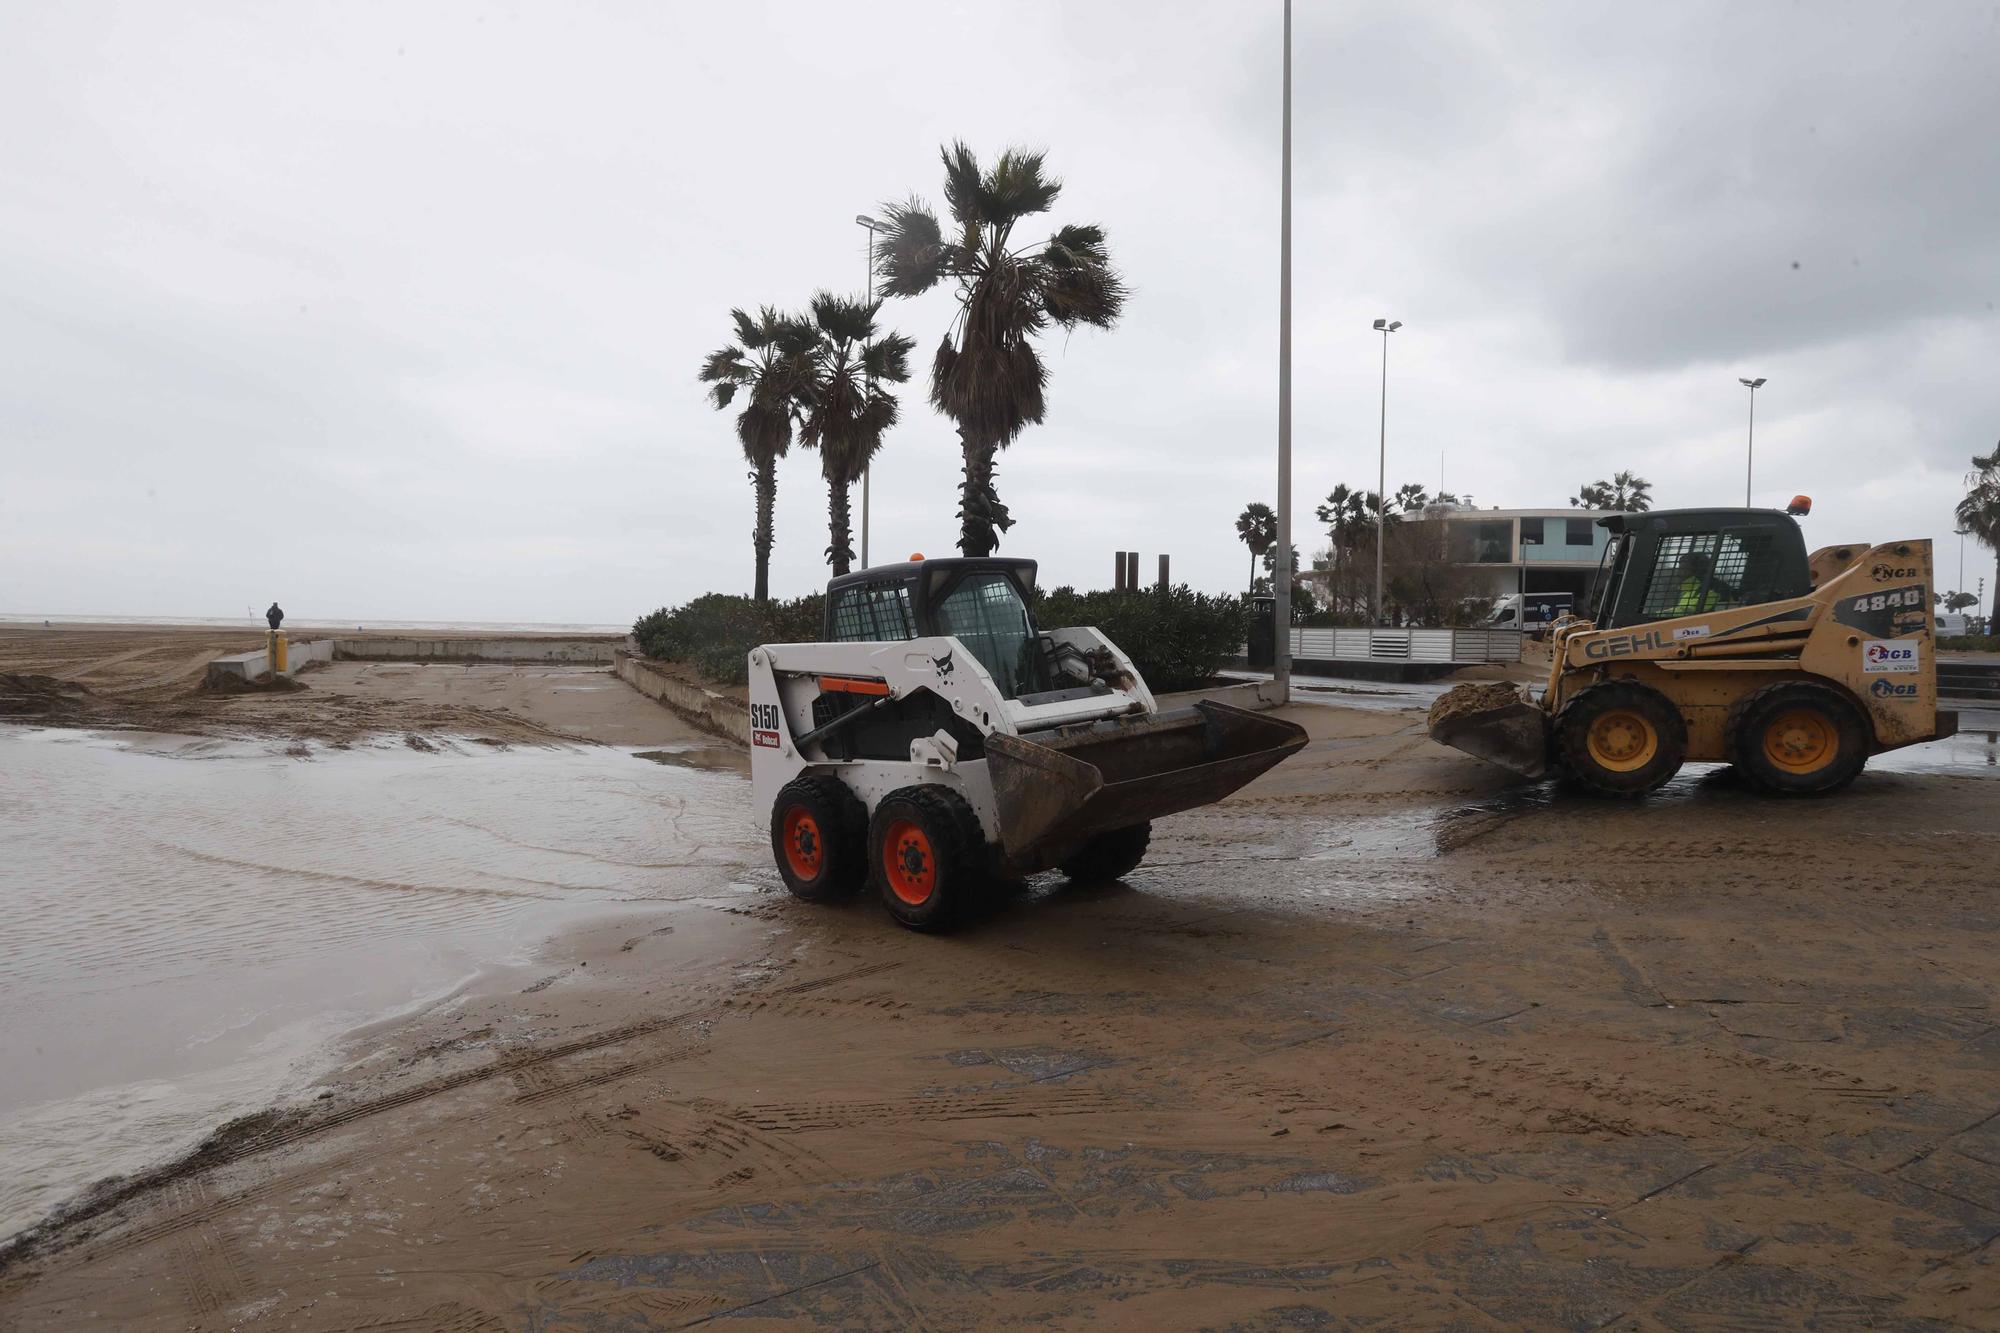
x,y
1382,1041
150,679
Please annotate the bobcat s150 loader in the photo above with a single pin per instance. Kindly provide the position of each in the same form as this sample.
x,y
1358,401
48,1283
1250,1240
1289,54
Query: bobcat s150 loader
x,y
939,742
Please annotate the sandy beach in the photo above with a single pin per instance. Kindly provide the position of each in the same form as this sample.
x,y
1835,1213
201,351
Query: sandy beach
x,y
1381,1040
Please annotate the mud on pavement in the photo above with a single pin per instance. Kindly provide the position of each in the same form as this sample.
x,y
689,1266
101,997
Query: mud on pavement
x,y
1378,1042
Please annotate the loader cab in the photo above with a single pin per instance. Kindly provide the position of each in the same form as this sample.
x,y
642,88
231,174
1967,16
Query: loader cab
x,y
983,601
1683,562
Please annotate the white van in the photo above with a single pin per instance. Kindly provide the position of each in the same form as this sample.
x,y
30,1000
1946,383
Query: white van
x,y
1951,624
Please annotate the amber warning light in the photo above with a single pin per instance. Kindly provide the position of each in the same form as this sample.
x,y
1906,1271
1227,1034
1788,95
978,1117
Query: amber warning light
x,y
1800,506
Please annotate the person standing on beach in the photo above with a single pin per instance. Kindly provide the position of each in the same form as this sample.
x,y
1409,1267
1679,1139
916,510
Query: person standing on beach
x,y
275,615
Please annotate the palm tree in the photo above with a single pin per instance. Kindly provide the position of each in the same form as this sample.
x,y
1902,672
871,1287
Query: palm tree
x,y
766,362
1625,493
843,407
990,380
1257,528
1979,512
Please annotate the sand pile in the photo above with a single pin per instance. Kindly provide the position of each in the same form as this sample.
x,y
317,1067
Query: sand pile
x,y
39,696
1478,697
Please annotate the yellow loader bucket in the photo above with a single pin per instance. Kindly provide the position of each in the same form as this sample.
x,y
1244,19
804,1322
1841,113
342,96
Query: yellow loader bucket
x,y
1055,793
1501,724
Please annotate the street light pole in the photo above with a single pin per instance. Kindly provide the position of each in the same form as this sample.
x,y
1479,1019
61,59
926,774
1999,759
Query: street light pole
x,y
1385,327
1281,560
868,264
1750,448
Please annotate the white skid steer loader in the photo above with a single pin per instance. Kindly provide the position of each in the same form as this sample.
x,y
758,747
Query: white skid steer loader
x,y
939,743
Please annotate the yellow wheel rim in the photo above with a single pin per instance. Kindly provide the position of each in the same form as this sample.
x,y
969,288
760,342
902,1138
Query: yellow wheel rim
x,y
1801,740
1622,740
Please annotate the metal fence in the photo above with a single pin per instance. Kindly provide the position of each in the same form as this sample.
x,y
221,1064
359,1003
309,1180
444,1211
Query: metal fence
x,y
1408,645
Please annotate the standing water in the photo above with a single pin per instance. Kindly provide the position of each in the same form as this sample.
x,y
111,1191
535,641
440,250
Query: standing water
x,y
185,930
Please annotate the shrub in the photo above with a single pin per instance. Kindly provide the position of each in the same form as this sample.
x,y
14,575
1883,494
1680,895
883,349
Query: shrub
x,y
1971,643
1175,636
716,631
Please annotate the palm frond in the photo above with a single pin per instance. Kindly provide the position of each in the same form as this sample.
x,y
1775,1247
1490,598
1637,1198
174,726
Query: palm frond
x,y
1089,294
911,255
1015,188
962,186
723,364
888,358
843,319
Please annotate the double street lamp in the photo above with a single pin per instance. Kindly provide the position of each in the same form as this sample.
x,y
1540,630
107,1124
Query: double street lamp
x,y
868,265
1385,327
1750,450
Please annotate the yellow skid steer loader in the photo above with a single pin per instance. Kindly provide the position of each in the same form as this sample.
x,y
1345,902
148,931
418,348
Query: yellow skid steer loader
x,y
1712,636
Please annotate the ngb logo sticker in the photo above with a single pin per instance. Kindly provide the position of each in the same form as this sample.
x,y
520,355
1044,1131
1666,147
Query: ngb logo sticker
x,y
1886,655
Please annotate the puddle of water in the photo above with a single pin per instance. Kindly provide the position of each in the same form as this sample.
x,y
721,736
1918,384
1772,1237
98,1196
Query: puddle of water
x,y
189,925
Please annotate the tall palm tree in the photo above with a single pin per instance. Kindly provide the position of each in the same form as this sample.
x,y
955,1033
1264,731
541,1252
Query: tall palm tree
x,y
1625,493
843,407
987,376
1979,512
1257,528
766,362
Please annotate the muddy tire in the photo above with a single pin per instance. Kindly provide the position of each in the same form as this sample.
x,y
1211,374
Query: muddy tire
x,y
927,855
1621,738
1112,855
1796,738
819,838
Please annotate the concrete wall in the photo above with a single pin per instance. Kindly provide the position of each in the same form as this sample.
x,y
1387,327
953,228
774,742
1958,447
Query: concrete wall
x,y
719,711
250,666
598,652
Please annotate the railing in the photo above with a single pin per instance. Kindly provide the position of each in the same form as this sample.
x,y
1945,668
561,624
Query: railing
x,y
1408,645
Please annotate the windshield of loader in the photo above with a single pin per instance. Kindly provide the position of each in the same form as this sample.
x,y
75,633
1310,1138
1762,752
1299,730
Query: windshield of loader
x,y
986,614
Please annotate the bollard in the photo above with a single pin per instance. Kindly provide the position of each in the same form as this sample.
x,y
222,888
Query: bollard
x,y
275,653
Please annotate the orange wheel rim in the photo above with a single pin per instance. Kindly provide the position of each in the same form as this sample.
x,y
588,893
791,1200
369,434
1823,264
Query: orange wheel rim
x,y
805,851
908,862
1801,740
1622,740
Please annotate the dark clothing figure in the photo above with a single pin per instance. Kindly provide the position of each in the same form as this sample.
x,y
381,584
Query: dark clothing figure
x,y
275,615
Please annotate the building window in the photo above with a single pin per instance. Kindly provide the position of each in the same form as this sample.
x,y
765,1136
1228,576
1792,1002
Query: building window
x,y
1578,533
1531,532
1486,541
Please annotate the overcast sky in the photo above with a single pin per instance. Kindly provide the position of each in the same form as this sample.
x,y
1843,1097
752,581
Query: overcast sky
x,y
394,311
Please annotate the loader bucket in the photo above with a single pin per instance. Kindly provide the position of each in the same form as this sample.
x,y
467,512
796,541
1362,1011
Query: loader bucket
x,y
1054,794
1501,724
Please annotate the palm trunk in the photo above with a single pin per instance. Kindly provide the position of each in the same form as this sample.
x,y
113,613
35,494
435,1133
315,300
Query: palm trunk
x,y
839,551
766,477
981,516
1253,571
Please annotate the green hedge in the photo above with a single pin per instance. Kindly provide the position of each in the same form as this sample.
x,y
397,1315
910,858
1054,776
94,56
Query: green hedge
x,y
1972,643
714,633
1176,637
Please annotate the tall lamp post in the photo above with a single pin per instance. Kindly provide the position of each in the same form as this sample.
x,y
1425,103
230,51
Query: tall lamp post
x,y
1385,327
868,264
1281,561
1750,448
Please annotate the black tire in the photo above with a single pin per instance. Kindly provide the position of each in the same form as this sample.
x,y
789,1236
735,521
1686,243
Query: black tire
x,y
1112,855
935,869
1621,738
1795,738
819,838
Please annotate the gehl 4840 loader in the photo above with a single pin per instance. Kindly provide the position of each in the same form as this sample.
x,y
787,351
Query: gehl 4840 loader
x,y
1713,636
943,745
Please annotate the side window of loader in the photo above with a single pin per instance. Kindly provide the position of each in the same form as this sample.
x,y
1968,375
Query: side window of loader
x,y
876,614
1682,564
1746,569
